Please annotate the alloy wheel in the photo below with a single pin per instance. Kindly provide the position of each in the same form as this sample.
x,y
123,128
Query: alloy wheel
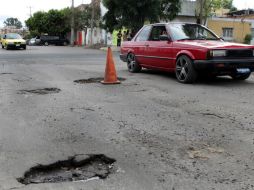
x,y
185,72
132,64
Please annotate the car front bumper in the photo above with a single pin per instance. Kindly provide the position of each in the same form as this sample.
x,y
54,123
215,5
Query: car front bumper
x,y
224,64
16,46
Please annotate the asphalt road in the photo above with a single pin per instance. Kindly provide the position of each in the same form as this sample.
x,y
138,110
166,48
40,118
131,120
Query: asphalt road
x,y
163,135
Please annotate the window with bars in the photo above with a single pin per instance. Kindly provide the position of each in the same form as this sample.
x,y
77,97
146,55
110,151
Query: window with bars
x,y
227,32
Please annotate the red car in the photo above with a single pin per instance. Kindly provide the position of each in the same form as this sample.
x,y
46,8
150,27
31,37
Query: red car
x,y
188,50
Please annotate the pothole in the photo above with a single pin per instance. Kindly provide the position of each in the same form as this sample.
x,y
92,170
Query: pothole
x,y
93,80
77,168
41,91
6,73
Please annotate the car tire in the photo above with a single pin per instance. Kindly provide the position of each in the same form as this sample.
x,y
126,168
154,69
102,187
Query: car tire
x,y
65,44
46,43
24,47
132,64
240,76
185,72
6,47
2,47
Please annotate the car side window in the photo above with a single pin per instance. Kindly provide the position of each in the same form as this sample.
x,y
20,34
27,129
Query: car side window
x,y
144,34
157,31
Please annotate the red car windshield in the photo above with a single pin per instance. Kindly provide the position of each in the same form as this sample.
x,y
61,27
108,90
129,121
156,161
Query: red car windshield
x,y
191,32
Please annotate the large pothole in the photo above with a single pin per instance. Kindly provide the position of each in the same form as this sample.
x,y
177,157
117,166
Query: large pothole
x,y
41,91
94,80
77,168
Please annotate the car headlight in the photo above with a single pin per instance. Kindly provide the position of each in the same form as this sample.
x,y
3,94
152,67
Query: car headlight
x,y
218,53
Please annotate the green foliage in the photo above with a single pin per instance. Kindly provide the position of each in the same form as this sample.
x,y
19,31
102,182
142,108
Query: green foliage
x,y
247,39
132,13
13,22
169,9
227,4
58,22
52,22
83,18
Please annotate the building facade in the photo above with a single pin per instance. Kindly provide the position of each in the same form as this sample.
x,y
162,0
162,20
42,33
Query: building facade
x,y
187,13
231,29
234,26
99,35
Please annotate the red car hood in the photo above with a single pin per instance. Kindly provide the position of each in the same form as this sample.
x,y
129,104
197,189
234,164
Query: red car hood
x,y
210,44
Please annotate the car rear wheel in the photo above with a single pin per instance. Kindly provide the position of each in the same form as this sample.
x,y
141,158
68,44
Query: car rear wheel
x,y
185,72
240,76
46,43
132,64
2,47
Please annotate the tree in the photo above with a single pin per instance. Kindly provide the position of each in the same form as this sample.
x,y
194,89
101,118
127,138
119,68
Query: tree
x,y
206,7
133,14
83,18
169,9
58,22
13,22
52,22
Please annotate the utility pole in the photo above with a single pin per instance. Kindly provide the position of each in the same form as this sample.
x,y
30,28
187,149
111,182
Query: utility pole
x,y
30,11
72,23
92,22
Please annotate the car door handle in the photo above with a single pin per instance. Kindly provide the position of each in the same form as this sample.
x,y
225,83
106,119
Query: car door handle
x,y
147,45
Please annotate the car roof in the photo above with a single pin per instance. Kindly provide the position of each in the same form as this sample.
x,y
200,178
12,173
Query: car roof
x,y
169,23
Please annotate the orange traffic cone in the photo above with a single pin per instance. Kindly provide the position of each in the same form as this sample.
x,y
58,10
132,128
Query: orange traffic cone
x,y
110,71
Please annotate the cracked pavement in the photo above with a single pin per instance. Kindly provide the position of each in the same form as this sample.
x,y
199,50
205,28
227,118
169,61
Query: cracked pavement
x,y
163,135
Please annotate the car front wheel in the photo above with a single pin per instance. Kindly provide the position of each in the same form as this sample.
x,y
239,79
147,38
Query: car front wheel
x,y
240,76
132,64
46,43
185,73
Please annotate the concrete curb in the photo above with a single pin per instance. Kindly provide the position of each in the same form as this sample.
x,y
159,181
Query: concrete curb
x,y
113,48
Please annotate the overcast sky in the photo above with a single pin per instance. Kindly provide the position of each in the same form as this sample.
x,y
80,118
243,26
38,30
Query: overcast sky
x,y
20,8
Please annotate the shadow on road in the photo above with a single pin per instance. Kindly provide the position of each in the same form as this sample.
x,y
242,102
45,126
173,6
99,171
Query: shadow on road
x,y
212,81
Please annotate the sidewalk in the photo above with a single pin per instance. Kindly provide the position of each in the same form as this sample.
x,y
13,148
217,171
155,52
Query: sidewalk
x,y
113,48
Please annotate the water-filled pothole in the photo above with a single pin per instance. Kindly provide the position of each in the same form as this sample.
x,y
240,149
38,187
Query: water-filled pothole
x,y
77,168
41,91
94,80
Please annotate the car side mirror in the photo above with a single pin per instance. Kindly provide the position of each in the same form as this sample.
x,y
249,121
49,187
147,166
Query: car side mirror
x,y
164,38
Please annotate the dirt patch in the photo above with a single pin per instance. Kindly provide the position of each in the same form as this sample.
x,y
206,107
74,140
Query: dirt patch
x,y
77,168
203,153
41,91
93,80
